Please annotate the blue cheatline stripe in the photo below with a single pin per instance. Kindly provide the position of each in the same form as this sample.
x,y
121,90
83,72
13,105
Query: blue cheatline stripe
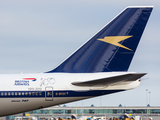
x,y
65,93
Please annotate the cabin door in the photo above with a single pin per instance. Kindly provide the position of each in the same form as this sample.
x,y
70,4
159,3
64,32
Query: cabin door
x,y
49,93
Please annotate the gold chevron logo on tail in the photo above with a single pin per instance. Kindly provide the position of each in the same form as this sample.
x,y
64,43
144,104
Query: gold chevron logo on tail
x,y
114,40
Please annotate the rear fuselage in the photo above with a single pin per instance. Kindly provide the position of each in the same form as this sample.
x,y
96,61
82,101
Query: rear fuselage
x,y
27,92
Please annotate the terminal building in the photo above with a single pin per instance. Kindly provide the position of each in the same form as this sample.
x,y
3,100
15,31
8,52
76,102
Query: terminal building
x,y
66,112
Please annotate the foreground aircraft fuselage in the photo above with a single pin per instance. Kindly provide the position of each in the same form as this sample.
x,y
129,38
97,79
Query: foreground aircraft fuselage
x,y
50,89
99,67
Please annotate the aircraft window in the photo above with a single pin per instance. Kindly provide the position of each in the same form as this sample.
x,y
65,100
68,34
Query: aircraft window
x,y
26,93
32,93
36,93
12,93
9,93
5,93
19,93
22,93
29,93
15,93
40,93
1,93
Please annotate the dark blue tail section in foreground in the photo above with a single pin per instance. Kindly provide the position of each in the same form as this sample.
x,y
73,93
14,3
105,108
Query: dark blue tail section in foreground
x,y
113,47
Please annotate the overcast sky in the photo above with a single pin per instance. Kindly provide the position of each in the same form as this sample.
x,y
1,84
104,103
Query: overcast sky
x,y
36,35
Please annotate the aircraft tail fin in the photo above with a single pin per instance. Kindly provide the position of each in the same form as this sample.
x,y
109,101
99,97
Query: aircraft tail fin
x,y
113,47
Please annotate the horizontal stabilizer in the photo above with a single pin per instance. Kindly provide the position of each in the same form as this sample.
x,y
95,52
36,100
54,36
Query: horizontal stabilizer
x,y
110,80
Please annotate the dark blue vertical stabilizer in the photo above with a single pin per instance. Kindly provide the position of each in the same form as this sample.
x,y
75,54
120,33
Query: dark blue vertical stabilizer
x,y
113,47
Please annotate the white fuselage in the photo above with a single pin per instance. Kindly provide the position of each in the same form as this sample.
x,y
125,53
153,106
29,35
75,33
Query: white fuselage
x,y
25,92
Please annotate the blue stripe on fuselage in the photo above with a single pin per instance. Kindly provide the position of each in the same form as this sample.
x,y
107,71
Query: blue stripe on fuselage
x,y
41,94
